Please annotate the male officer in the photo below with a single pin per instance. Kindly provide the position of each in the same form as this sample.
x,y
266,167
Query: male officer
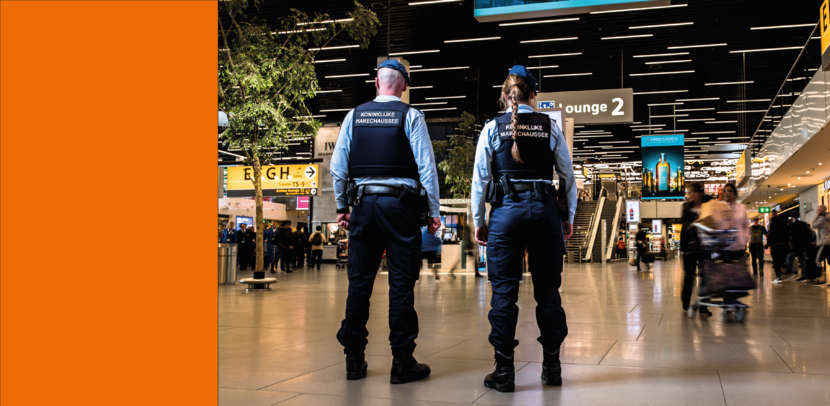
x,y
384,149
246,240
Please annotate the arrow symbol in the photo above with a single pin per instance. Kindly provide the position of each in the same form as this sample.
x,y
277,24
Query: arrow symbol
x,y
310,172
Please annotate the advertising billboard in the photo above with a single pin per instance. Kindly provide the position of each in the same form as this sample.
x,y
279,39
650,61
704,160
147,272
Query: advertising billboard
x,y
656,226
499,10
663,167
632,211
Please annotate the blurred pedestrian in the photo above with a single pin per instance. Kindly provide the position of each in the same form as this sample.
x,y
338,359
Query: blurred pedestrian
x,y
286,247
690,243
229,235
299,240
822,226
779,243
316,254
246,239
756,246
740,221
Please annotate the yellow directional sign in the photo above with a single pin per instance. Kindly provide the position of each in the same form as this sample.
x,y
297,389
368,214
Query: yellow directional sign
x,y
277,180
824,31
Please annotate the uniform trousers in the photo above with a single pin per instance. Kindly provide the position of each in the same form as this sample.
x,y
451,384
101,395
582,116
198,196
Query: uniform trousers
x,y
519,224
381,223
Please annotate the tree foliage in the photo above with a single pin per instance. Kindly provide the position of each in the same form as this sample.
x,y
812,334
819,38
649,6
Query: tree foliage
x,y
456,157
266,75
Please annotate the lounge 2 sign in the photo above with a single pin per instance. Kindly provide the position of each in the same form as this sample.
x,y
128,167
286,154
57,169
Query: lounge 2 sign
x,y
611,106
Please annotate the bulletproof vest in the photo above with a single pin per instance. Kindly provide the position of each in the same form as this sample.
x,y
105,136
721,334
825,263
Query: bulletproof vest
x,y
533,139
379,143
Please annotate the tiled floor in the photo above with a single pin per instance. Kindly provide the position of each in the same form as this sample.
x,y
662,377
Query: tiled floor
x,y
630,343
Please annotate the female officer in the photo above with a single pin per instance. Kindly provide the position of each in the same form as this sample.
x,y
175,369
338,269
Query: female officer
x,y
515,160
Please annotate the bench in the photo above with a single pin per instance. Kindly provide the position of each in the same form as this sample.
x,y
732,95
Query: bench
x,y
258,285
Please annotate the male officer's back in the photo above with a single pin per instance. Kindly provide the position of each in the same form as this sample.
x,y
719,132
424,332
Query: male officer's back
x,y
385,150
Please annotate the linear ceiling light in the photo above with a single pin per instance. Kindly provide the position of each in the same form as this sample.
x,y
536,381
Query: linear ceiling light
x,y
742,111
471,39
701,109
351,75
314,116
548,40
748,101
628,36
330,60
328,91
697,119
772,27
698,46
568,74
541,67
444,97
370,81
342,20
671,131
444,108
330,48
613,142
434,69
662,62
661,55
330,110
421,3
722,122
659,26
743,82
429,51
661,92
420,87
648,125
554,55
743,51
664,104
427,104
661,73
671,115
639,9
561,20
705,98
298,31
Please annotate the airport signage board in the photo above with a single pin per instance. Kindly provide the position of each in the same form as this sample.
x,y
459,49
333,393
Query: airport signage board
x,y
608,106
632,211
740,167
663,169
277,180
824,27
501,10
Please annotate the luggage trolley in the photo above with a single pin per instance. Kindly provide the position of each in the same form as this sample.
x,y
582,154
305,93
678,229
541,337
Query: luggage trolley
x,y
342,254
721,278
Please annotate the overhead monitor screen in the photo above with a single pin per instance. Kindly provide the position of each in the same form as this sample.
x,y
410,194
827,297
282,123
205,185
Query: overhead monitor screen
x,y
663,167
500,10
556,115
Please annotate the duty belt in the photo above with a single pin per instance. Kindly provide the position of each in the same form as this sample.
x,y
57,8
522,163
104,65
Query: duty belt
x,y
381,190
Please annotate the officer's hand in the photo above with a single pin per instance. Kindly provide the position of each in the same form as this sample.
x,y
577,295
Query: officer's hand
x,y
568,229
481,235
343,219
433,223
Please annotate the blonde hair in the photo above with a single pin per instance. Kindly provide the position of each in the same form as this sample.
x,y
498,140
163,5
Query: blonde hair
x,y
517,90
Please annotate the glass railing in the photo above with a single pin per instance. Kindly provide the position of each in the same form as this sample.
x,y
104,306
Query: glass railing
x,y
797,112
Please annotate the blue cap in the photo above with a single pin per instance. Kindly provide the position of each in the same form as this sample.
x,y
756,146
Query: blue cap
x,y
520,70
394,64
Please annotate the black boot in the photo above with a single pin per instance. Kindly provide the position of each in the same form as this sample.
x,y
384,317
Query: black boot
x,y
356,366
551,368
406,369
503,378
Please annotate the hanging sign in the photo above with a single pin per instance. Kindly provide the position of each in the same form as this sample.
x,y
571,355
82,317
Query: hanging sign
x,y
277,180
610,106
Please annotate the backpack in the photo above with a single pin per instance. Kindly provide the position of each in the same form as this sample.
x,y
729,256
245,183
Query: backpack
x,y
756,236
317,239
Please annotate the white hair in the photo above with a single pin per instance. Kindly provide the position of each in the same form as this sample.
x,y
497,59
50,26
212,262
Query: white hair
x,y
390,77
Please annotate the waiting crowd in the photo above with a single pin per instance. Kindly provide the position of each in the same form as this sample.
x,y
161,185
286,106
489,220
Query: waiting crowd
x,y
294,248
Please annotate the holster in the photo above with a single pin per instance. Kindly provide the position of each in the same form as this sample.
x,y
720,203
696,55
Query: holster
x,y
418,200
354,193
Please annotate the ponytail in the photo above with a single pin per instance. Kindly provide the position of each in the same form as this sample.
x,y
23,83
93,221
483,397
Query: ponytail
x,y
516,90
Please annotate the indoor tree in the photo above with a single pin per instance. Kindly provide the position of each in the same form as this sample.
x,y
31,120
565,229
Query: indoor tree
x,y
457,156
266,76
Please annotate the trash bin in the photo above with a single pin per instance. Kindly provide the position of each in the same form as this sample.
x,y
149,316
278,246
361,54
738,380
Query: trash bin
x,y
227,264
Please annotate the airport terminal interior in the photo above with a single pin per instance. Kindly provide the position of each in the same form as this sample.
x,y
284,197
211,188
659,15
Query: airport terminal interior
x,y
653,98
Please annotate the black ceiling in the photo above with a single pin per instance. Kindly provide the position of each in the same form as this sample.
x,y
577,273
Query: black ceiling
x,y
413,28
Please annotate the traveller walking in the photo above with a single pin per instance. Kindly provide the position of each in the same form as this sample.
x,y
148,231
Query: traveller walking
x,y
802,247
383,165
778,242
229,235
640,247
317,239
266,236
740,221
270,249
822,226
756,246
516,156
284,244
299,241
621,248
247,240
690,244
